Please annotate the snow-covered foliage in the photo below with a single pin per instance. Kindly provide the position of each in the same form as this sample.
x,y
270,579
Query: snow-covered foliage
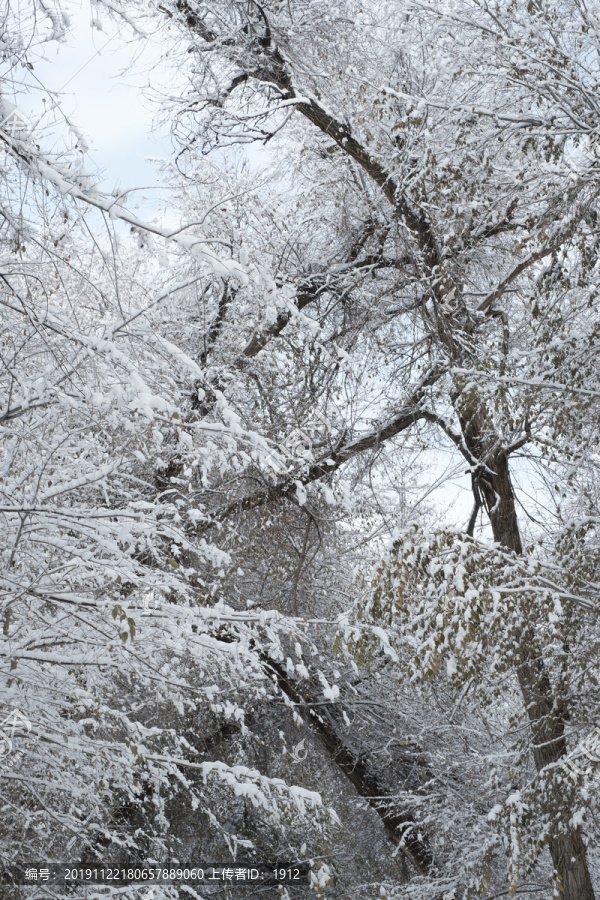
x,y
230,439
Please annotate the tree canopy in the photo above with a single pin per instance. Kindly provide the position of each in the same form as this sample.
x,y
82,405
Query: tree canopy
x,y
308,459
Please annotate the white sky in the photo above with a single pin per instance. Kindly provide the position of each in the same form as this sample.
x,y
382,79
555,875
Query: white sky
x,y
105,101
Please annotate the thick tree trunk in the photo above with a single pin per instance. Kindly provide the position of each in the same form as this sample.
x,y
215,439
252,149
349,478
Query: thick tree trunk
x,y
492,477
546,717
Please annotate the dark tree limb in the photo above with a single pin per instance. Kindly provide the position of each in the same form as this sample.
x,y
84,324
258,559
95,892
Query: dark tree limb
x,y
215,329
400,825
271,68
409,413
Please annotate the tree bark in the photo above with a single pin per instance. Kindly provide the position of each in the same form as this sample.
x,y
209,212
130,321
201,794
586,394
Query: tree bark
x,y
491,475
400,825
546,717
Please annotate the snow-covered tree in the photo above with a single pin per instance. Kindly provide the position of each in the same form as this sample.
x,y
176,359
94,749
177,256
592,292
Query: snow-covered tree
x,y
211,430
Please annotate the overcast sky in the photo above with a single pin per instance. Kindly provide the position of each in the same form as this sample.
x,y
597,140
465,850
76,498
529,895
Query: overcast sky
x,y
106,102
